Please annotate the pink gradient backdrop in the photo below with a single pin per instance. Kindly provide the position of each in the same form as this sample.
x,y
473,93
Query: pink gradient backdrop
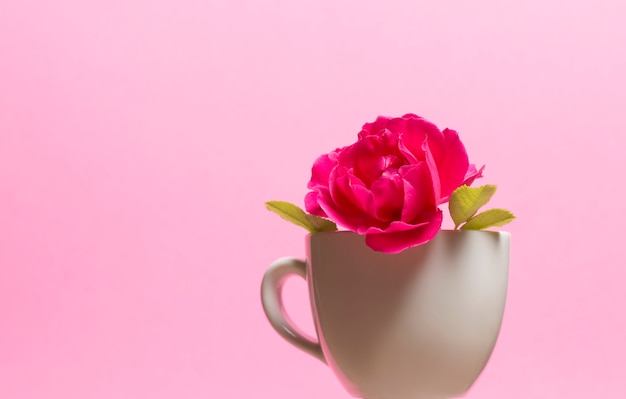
x,y
139,140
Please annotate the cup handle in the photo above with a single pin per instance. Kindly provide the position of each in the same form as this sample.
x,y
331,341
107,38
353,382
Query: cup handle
x,y
271,297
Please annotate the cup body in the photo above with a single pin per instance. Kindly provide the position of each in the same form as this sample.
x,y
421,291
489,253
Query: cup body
x,y
420,324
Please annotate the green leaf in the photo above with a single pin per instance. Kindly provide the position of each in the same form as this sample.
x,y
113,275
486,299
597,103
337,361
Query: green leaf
x,y
490,218
466,201
297,216
321,224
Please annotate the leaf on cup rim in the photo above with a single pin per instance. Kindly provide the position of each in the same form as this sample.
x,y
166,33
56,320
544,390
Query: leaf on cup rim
x,y
466,201
299,217
490,218
320,224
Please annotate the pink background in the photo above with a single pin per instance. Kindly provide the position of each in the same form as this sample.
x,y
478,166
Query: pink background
x,y
139,140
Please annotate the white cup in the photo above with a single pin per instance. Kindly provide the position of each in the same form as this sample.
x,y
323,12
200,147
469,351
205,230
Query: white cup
x,y
420,324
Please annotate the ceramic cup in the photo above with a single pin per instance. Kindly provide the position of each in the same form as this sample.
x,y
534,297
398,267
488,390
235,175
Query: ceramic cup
x,y
420,324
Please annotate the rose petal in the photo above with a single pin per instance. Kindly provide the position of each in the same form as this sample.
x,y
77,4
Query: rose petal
x,y
375,127
323,165
350,203
434,172
339,185
388,193
353,222
397,226
360,195
413,130
454,165
312,205
394,240
410,115
473,174
371,156
365,157
418,191
337,207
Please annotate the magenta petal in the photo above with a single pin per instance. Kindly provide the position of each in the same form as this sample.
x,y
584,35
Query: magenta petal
x,y
340,209
350,203
388,193
410,115
343,185
360,195
408,154
396,226
434,172
365,158
453,167
397,241
413,131
339,185
473,174
375,127
312,205
351,221
322,167
418,191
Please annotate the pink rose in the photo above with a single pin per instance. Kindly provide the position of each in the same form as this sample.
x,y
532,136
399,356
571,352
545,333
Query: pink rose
x,y
389,184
